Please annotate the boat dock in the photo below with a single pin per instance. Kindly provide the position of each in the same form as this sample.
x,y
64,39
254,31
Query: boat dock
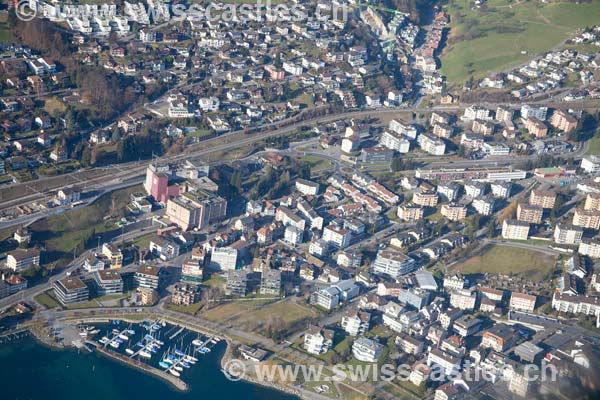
x,y
173,336
178,383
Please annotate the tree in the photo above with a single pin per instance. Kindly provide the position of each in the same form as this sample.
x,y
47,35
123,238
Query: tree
x,y
70,123
236,182
86,157
116,134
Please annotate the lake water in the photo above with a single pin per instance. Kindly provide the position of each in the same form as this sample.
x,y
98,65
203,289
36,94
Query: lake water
x,y
33,371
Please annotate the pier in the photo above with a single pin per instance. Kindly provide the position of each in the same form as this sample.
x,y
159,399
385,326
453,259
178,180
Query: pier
x,y
178,383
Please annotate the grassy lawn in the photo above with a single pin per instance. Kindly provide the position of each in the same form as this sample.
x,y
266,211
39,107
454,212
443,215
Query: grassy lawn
x,y
229,309
64,232
316,163
191,309
84,304
491,39
509,260
47,300
594,146
53,105
286,310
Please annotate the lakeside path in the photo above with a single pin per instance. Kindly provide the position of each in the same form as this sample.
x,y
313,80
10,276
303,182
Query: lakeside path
x,y
232,337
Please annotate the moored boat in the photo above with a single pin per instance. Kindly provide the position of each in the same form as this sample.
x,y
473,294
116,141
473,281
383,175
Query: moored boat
x,y
145,354
174,373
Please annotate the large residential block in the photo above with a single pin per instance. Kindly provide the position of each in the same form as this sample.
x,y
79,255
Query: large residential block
x,y
515,229
529,213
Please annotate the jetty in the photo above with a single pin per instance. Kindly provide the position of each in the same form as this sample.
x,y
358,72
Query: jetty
x,y
176,382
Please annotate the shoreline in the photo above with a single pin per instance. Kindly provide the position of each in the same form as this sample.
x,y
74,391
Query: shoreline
x,y
182,388
179,384
271,385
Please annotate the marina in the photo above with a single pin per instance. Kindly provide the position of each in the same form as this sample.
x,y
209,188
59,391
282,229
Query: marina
x,y
65,373
157,347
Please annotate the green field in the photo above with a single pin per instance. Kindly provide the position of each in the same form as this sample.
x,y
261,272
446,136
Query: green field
x,y
64,232
46,300
492,38
594,146
509,260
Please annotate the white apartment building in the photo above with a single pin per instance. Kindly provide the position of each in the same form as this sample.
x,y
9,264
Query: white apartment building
x,y
393,263
528,111
395,141
223,258
475,112
401,128
431,145
366,350
567,234
336,236
318,340
515,230
306,187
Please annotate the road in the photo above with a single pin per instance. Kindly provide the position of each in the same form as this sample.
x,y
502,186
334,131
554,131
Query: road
x,y
29,293
232,140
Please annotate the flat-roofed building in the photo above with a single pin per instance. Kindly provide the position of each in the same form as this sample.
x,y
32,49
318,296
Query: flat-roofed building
x,y
592,201
567,234
484,205
318,340
393,263
590,247
448,363
542,198
270,281
529,352
395,141
196,209
576,304
185,295
515,230
224,259
163,247
501,189
425,198
410,212
70,290
586,218
454,211
522,302
108,281
306,187
237,281
529,213
113,254
22,259
147,276
366,350
467,325
449,190
463,299
431,144
192,271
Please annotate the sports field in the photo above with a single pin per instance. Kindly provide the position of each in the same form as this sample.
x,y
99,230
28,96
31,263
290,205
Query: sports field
x,y
509,260
503,34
